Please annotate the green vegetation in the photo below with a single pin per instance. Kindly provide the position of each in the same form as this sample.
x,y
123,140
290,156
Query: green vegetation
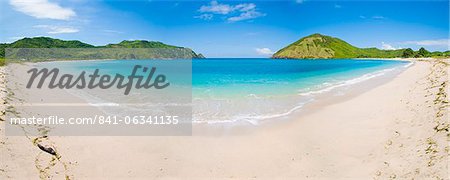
x,y
408,53
156,49
139,44
200,56
2,50
157,46
321,46
423,52
46,42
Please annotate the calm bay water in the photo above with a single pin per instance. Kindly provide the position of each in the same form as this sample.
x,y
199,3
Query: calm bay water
x,y
252,90
268,77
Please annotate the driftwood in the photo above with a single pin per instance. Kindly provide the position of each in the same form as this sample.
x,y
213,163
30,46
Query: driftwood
x,y
47,149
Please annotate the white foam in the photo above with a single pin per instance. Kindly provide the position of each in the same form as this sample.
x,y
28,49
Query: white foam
x,y
409,64
359,79
254,96
254,120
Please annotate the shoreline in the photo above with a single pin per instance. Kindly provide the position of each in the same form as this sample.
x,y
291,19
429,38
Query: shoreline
x,y
293,110
331,95
387,131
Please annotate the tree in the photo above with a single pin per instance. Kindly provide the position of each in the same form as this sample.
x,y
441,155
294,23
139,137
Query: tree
x,y
423,52
408,53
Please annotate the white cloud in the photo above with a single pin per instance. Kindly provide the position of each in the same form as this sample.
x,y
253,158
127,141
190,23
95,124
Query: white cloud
x,y
216,8
42,9
205,16
337,6
362,17
245,7
237,12
435,42
386,46
299,1
264,51
432,42
57,29
245,16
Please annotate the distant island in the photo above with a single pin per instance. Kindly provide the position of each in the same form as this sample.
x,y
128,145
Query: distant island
x,y
47,42
327,47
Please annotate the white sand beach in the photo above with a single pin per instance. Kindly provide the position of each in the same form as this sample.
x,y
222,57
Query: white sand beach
x,y
395,130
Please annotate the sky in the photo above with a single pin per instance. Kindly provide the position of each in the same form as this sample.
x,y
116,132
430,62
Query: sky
x,y
231,28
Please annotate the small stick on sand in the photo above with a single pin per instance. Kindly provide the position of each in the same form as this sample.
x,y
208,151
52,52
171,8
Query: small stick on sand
x,y
47,149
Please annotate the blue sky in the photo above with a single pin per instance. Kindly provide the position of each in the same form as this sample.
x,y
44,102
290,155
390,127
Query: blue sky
x,y
230,28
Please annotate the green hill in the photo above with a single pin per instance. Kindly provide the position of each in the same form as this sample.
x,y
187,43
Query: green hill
x,y
321,46
150,44
158,48
42,42
140,44
46,42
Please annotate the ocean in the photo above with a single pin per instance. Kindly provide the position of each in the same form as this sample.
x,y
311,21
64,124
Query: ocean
x,y
254,90
243,91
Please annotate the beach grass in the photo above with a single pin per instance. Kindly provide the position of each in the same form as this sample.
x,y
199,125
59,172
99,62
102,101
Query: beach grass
x,y
2,61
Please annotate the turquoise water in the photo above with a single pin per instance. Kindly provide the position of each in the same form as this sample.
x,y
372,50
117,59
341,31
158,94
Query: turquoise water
x,y
267,77
248,90
254,90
